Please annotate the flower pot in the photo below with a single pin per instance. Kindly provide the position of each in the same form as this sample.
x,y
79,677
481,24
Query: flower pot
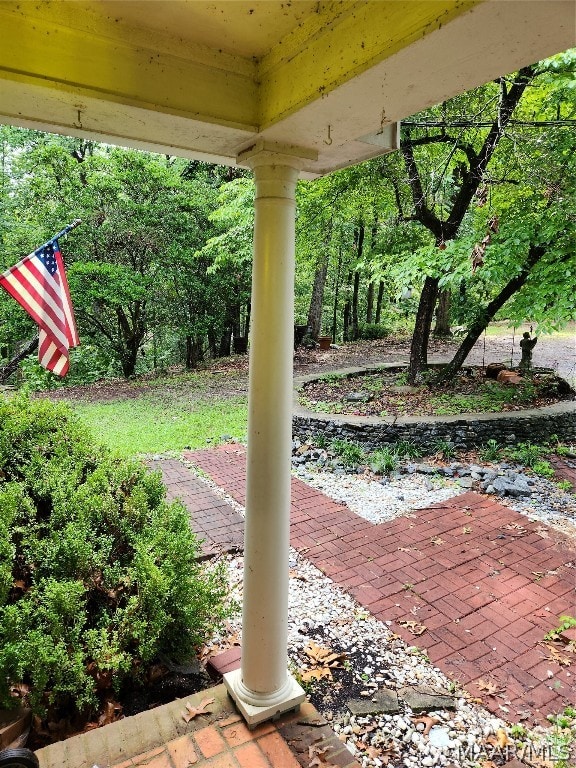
x,y
324,342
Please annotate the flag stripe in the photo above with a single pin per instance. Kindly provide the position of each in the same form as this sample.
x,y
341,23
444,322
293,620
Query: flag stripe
x,y
73,337
50,356
34,284
31,301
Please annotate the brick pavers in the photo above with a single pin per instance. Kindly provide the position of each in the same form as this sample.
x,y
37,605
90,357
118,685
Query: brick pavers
x,y
160,738
485,581
215,522
565,470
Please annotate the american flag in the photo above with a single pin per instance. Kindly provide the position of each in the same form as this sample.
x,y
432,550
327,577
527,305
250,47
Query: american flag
x,y
39,285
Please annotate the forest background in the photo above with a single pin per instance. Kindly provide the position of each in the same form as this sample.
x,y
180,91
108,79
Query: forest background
x,y
472,219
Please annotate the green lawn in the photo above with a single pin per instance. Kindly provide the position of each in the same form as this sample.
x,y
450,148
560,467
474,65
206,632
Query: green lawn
x,y
143,425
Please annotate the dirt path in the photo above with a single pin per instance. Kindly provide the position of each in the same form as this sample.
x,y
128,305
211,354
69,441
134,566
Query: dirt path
x,y
502,344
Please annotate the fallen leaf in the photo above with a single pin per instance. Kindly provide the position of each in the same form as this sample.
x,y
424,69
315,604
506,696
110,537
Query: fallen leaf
x,y
466,529
557,657
324,657
502,738
318,673
492,689
414,627
428,722
112,712
438,541
295,575
543,532
195,711
317,754
404,549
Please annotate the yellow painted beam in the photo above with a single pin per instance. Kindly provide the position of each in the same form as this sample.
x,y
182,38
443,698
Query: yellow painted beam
x,y
40,49
340,41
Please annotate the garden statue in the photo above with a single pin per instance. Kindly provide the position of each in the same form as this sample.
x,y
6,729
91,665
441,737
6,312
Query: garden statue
x,y
527,345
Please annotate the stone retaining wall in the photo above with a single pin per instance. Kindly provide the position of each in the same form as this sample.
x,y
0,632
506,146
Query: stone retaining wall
x,y
464,431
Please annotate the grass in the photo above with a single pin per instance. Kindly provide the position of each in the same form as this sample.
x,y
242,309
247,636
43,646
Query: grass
x,y
143,425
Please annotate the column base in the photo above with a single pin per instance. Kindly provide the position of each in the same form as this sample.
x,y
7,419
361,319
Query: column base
x,y
262,708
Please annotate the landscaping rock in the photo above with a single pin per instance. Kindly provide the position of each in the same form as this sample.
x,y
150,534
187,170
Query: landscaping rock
x,y
384,702
358,397
423,700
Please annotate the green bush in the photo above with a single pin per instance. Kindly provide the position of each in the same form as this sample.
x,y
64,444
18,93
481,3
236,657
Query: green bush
x,y
371,331
350,454
98,574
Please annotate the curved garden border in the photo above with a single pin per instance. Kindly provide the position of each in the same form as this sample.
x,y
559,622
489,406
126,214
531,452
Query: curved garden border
x,y
468,430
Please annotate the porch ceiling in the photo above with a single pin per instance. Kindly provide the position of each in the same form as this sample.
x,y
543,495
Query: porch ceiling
x,y
208,79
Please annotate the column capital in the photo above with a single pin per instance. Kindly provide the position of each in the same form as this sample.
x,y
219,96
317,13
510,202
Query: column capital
x,y
262,152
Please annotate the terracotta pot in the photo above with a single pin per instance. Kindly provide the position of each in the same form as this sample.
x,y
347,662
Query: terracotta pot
x,y
324,342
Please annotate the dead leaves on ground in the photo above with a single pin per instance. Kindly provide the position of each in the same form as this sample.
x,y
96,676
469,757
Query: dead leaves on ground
x,y
321,661
489,687
427,721
414,627
318,760
193,712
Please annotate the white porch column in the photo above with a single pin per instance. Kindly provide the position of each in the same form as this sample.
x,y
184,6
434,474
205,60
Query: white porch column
x,y
262,688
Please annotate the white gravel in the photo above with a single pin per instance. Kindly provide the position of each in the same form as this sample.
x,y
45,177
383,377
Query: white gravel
x,y
377,502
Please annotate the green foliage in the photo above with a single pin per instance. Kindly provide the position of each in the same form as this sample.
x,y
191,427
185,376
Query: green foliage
x,y
383,461
99,575
490,397
351,454
526,453
491,451
543,468
406,449
372,331
565,623
443,448
564,485
320,441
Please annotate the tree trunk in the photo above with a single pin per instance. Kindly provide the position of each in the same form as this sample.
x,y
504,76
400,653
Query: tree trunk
x,y
359,248
336,296
379,302
369,302
355,329
473,175
247,320
12,366
485,316
225,342
193,351
442,327
212,343
346,321
317,298
421,335
370,292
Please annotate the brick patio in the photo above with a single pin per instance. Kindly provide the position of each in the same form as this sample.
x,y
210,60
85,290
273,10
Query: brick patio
x,y
160,738
486,582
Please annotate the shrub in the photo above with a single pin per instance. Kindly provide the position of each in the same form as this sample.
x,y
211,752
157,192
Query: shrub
x,y
98,574
371,331
350,454
383,460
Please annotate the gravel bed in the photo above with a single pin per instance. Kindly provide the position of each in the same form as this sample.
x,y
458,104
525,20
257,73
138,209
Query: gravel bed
x,y
380,500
